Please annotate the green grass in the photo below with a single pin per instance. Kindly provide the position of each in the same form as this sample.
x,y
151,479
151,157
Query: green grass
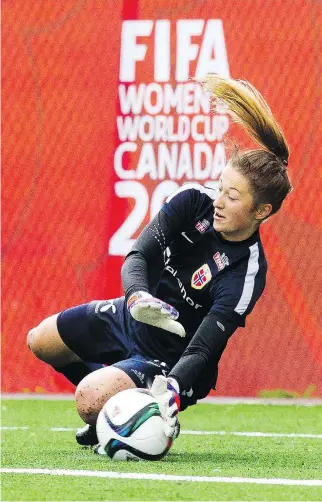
x,y
228,456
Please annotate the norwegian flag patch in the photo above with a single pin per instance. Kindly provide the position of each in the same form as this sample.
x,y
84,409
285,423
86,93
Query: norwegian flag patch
x,y
202,226
201,277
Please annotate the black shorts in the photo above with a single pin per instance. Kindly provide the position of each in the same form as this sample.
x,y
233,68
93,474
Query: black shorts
x,y
96,331
101,332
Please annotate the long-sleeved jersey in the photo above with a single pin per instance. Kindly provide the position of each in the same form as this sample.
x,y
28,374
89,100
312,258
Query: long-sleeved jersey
x,y
212,282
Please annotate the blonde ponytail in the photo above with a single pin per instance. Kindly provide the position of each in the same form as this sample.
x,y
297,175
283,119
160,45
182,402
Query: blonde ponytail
x,y
265,168
248,108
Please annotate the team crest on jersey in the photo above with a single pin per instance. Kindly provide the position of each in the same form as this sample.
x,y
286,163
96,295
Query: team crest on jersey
x,y
202,226
221,260
200,277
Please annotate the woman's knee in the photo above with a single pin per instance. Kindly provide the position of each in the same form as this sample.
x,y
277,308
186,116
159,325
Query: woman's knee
x,y
46,344
96,388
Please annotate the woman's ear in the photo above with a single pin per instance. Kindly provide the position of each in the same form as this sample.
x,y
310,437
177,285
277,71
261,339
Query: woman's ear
x,y
263,211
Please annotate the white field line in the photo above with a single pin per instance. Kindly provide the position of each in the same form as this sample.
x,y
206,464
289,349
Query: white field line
x,y
200,433
207,400
3,428
251,434
279,401
166,477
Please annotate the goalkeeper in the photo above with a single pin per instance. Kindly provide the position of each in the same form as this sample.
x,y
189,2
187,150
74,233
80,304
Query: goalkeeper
x,y
194,274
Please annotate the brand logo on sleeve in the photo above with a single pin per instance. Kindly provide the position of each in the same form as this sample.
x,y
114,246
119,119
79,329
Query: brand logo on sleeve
x,y
201,277
221,326
221,260
202,226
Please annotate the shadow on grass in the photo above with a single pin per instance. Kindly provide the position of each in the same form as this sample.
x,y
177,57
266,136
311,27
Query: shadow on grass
x,y
250,459
205,457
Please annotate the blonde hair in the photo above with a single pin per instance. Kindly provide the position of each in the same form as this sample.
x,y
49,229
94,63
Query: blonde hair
x,y
266,169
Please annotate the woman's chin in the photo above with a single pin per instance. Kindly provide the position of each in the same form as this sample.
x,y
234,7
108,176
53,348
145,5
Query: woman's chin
x,y
219,226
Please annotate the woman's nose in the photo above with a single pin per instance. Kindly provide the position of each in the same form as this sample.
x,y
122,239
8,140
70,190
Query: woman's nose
x,y
219,201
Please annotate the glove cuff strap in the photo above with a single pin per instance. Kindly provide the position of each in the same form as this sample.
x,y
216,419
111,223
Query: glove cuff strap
x,y
138,295
173,386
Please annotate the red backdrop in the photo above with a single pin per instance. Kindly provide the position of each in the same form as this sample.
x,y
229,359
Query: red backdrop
x,y
73,202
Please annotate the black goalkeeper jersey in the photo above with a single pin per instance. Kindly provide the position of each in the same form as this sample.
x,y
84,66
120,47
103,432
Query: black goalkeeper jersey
x,y
203,271
200,271
182,260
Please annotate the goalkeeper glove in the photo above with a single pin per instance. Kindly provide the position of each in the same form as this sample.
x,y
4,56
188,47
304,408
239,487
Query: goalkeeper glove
x,y
166,392
145,308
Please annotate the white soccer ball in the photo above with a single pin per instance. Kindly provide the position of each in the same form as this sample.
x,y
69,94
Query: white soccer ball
x,y
130,426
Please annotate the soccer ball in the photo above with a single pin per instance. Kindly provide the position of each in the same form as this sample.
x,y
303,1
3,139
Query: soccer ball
x,y
130,427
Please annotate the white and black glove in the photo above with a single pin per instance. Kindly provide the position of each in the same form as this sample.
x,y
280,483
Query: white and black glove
x,y
166,392
145,308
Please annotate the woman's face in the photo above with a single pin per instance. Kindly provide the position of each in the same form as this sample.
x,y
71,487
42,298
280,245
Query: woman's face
x,y
234,216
